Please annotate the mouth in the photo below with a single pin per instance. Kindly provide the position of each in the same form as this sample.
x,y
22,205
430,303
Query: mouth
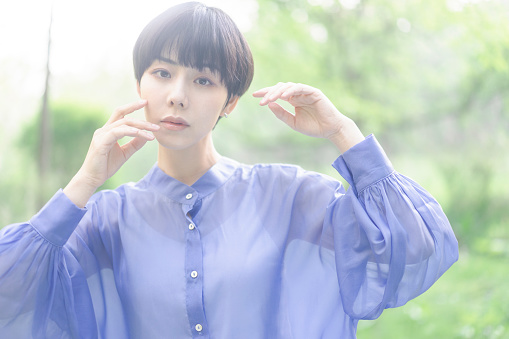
x,y
174,123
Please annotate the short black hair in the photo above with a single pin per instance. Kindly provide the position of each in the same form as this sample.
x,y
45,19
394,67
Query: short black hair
x,y
198,36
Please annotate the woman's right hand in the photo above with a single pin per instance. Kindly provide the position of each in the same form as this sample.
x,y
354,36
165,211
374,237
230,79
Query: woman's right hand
x,y
105,156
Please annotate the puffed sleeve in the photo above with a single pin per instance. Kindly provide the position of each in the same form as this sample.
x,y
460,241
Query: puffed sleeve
x,y
392,240
43,292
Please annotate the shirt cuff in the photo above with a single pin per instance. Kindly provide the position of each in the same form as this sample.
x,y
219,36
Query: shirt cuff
x,y
57,219
364,164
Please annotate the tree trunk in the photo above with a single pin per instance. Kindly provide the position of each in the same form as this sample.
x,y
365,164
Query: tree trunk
x,y
44,159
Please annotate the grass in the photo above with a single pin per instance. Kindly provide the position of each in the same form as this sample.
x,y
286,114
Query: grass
x,y
469,301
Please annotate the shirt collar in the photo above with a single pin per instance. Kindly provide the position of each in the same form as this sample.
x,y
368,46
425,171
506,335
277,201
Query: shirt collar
x,y
214,178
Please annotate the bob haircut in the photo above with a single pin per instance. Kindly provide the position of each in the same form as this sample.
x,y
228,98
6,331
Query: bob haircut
x,y
197,36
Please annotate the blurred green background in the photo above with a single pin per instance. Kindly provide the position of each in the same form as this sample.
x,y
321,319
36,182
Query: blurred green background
x,y
429,78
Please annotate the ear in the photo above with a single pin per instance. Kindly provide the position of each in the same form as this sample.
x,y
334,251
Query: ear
x,y
231,105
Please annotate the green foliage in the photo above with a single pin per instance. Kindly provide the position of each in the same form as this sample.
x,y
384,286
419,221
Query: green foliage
x,y
428,78
463,304
72,126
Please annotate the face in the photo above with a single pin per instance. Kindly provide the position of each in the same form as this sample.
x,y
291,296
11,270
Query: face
x,y
184,101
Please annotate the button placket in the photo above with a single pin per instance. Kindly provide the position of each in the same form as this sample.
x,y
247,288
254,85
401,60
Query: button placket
x,y
194,268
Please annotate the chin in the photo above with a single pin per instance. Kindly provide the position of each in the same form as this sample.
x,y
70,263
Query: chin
x,y
181,142
174,143
173,146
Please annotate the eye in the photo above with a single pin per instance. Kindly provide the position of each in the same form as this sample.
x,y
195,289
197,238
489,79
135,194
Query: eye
x,y
162,73
203,82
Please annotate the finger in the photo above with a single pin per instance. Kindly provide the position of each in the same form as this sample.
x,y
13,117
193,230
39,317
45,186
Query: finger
x,y
282,114
133,146
122,111
270,92
128,131
298,89
140,124
275,93
302,95
111,137
261,92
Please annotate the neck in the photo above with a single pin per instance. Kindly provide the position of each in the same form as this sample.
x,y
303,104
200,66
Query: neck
x,y
188,165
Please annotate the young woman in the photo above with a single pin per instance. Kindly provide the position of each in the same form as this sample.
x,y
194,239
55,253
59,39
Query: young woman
x,y
204,246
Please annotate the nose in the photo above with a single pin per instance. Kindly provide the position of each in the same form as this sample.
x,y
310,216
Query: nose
x,y
177,96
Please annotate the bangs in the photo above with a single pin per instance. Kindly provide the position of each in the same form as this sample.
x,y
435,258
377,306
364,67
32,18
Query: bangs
x,y
194,44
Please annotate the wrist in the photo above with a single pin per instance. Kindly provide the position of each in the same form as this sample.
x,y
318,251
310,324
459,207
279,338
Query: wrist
x,y
347,135
79,190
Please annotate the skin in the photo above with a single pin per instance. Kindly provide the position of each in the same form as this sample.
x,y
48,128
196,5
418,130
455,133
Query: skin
x,y
170,91
315,115
197,97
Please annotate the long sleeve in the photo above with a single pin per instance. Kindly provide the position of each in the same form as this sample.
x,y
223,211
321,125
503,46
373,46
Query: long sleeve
x,y
37,291
391,237
281,251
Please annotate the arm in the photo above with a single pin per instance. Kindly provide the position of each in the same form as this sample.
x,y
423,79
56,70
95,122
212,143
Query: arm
x,y
391,238
43,287
105,156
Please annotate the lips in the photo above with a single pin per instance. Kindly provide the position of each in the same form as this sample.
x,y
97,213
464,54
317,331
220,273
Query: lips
x,y
174,123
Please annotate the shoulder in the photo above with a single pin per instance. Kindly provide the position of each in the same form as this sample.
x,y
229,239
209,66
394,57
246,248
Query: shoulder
x,y
114,198
280,174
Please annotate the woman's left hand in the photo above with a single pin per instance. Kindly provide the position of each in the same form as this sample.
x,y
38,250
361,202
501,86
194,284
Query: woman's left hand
x,y
315,115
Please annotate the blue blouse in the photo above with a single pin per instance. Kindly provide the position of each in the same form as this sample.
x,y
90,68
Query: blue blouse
x,y
263,251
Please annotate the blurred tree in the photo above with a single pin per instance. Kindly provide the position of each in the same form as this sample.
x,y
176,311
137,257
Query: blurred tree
x,y
72,127
44,143
429,78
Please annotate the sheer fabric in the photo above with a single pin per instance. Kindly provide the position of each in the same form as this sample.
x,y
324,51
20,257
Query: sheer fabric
x,y
263,251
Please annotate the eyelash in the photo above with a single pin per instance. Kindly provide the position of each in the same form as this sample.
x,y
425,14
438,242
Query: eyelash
x,y
205,79
167,75
159,73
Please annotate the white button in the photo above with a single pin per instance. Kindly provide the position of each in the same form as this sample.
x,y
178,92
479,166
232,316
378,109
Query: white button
x,y
198,327
191,227
189,196
194,274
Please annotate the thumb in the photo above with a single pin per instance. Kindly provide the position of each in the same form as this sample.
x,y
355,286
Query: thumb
x,y
133,146
282,114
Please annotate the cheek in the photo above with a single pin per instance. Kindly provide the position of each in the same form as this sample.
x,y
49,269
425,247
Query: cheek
x,y
147,87
149,112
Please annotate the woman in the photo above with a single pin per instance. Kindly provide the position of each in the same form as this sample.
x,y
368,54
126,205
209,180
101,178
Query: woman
x,y
203,246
